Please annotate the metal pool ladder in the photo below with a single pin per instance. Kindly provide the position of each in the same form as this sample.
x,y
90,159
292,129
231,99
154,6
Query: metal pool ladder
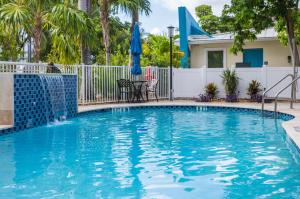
x,y
293,95
277,95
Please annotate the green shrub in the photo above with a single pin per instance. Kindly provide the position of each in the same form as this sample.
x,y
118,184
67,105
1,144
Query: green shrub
x,y
254,88
230,81
211,90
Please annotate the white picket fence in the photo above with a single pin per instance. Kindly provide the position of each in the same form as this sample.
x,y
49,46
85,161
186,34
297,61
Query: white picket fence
x,y
96,84
190,83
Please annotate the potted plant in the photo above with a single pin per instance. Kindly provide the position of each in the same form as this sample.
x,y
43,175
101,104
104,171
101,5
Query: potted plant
x,y
211,90
230,81
210,93
203,98
254,90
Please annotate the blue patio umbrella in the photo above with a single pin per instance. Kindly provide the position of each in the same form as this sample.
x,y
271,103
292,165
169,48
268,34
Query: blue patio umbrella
x,y
136,50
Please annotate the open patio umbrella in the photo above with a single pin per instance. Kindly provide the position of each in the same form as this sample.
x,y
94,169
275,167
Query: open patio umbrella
x,y
136,50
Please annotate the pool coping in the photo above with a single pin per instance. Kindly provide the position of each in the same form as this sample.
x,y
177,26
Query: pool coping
x,y
291,127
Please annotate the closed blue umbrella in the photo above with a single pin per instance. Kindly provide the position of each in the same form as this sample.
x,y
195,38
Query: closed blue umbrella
x,y
136,50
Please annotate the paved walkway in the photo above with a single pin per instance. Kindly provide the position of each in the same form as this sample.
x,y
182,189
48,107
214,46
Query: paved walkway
x,y
292,127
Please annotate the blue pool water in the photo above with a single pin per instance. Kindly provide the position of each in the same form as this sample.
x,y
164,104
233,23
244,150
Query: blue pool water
x,y
162,153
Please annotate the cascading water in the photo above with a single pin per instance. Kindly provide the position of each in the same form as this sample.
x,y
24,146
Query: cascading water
x,y
54,97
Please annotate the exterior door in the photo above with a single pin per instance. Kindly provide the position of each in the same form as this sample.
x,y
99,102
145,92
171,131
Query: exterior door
x,y
254,57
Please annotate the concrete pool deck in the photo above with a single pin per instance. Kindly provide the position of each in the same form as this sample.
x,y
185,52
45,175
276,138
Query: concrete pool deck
x,y
2,127
291,127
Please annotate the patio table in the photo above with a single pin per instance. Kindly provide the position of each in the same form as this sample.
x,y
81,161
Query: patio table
x,y
137,86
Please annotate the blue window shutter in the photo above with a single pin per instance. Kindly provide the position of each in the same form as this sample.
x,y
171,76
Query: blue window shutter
x,y
254,57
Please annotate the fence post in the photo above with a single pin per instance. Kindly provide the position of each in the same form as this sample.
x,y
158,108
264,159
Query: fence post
x,y
264,74
204,77
83,92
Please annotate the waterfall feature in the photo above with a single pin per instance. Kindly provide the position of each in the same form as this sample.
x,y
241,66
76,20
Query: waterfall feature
x,y
54,97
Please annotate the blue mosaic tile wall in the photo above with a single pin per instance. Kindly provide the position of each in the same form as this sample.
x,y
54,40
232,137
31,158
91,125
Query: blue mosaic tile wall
x,y
30,106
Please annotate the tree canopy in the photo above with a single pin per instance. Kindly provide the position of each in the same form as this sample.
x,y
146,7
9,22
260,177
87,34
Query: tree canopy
x,y
210,22
246,19
60,31
156,49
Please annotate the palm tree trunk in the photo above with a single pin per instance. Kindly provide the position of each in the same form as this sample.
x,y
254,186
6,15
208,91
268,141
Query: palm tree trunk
x,y
134,19
37,35
104,18
84,5
86,90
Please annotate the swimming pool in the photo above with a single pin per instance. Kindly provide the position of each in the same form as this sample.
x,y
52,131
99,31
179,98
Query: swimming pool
x,y
155,152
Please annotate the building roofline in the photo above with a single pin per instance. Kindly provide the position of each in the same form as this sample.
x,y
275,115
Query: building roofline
x,y
266,35
220,41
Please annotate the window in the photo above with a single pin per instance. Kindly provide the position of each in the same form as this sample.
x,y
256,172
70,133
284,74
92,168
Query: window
x,y
215,58
253,57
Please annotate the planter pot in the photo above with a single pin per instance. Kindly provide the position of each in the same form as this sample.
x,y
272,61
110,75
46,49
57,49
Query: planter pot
x,y
267,101
256,98
204,98
231,98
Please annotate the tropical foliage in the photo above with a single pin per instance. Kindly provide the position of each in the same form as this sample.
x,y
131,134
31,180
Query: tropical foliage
x,y
211,90
230,81
210,22
248,18
156,52
106,7
48,23
68,31
254,90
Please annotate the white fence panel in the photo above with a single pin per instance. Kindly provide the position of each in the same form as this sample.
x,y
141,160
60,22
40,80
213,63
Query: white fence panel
x,y
273,75
191,82
246,75
187,82
213,75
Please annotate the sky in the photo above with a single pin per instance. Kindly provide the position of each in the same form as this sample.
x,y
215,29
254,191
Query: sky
x,y
164,13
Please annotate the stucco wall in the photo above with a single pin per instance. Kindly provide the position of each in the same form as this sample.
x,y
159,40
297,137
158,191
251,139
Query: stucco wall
x,y
274,52
6,99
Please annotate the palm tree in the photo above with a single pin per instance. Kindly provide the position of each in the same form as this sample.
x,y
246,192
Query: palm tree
x,y
38,8
132,7
24,14
61,18
136,8
85,6
69,27
104,9
14,20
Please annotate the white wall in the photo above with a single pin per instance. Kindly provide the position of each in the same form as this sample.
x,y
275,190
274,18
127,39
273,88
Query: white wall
x,y
273,51
191,82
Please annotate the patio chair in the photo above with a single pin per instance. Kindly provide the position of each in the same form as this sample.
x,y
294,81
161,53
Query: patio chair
x,y
125,88
151,87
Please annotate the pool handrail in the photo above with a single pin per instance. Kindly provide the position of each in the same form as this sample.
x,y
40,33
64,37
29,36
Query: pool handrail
x,y
273,86
292,97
